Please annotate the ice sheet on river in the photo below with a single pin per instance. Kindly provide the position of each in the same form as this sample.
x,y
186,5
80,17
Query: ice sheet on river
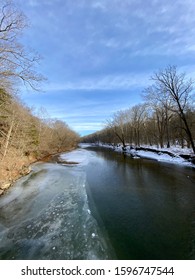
x,y
47,217
77,156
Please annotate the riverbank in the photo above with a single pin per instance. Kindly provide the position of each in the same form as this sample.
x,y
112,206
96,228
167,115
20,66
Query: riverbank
x,y
13,168
46,216
175,155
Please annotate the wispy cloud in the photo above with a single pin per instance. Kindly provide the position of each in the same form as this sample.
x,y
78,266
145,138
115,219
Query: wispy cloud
x,y
93,126
109,82
106,45
98,5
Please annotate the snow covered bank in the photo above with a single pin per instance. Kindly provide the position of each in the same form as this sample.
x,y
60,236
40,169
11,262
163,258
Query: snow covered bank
x,y
175,155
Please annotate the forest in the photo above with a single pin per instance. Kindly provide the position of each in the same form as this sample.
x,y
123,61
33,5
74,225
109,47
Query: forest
x,y
166,116
26,134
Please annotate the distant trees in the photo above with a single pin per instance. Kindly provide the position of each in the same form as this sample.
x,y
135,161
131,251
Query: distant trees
x,y
166,117
63,137
118,125
138,116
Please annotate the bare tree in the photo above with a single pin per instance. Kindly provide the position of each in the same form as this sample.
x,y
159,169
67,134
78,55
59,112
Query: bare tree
x,y
15,62
160,104
178,88
118,125
138,117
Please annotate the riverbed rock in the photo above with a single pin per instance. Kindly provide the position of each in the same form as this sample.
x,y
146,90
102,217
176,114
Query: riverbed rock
x,y
25,170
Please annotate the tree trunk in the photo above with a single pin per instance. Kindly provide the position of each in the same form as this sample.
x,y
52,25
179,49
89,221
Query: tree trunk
x,y
187,129
8,138
167,130
189,134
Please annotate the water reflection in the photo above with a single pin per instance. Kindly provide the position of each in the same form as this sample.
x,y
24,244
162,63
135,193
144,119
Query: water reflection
x,y
147,207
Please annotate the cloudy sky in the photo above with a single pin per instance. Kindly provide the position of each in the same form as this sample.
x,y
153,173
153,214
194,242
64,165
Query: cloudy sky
x,y
98,55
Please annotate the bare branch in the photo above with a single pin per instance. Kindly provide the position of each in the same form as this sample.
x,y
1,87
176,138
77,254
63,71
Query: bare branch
x,y
16,64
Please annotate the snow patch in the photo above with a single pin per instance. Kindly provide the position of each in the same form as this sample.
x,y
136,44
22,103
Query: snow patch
x,y
75,156
160,155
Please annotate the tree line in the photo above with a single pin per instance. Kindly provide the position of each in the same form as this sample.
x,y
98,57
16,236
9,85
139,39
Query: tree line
x,y
165,117
24,135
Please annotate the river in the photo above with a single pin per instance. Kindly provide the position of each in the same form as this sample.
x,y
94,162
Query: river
x,y
106,206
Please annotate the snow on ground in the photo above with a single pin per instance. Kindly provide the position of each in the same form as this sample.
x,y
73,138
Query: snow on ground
x,y
177,150
159,156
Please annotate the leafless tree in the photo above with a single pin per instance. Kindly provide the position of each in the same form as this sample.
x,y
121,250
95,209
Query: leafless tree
x,y
118,124
16,63
178,88
161,105
138,117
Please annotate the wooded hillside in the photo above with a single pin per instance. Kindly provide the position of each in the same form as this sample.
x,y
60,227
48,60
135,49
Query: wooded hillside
x,y
24,135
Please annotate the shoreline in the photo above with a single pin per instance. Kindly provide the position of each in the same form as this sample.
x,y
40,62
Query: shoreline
x,y
162,155
25,169
171,155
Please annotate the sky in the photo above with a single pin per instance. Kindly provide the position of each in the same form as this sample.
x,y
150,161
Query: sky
x,y
99,55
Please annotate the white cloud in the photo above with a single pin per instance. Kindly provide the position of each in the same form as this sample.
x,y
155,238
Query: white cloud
x,y
108,82
98,5
87,126
90,45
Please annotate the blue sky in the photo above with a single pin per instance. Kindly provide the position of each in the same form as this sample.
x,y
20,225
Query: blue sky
x,y
98,55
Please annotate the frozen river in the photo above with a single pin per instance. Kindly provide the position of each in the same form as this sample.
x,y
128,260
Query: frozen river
x,y
46,215
106,206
